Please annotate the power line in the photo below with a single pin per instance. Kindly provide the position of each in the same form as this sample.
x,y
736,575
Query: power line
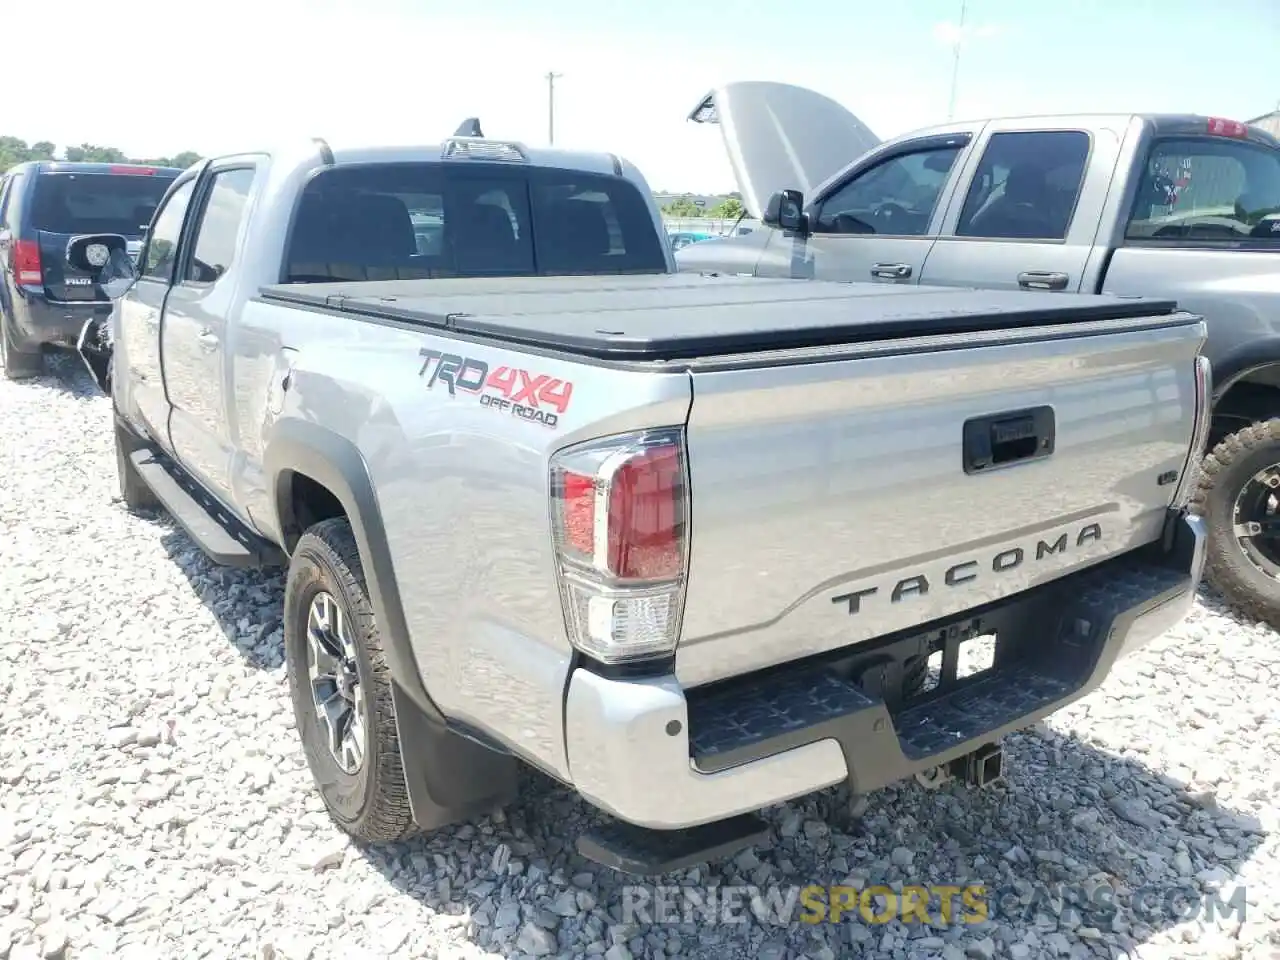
x,y
551,105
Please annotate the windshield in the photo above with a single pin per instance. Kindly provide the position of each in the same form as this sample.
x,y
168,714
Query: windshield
x,y
96,202
420,220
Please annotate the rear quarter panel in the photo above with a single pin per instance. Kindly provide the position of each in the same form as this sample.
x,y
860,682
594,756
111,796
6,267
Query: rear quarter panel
x,y
463,488
1236,291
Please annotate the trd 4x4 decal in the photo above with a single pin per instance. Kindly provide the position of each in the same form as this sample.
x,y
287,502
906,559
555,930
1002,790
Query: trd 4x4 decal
x,y
538,398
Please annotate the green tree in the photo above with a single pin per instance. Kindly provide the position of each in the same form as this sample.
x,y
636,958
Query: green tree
x,y
92,153
683,207
728,209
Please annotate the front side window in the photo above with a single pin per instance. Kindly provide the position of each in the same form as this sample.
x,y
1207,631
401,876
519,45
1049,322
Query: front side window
x,y
894,198
1026,186
422,220
162,243
1201,188
219,228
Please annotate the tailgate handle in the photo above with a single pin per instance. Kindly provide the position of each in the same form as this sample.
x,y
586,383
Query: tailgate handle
x,y
1042,280
1018,436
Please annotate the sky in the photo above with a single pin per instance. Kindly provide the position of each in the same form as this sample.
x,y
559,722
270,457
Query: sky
x,y
243,74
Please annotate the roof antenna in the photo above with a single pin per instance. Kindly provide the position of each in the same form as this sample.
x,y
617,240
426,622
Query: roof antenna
x,y
470,128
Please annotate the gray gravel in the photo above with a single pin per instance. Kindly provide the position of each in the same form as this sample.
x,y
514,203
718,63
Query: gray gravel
x,y
154,800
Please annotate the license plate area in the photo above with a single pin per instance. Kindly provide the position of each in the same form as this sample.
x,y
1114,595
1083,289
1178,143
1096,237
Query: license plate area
x,y
924,666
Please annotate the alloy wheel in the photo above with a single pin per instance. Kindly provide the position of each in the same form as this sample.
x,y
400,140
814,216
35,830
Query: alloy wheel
x,y
335,681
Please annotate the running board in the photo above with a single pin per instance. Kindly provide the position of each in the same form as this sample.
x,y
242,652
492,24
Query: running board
x,y
642,852
222,537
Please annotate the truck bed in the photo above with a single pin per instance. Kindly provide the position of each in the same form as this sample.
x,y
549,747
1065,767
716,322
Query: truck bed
x,y
679,316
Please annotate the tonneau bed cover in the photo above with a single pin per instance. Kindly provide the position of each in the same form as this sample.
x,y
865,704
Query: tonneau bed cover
x,y
675,316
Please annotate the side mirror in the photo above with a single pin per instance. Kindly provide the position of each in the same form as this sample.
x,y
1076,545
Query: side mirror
x,y
105,257
785,211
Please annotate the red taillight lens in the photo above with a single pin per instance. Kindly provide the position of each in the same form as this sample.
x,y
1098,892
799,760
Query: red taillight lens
x,y
619,524
1218,127
133,171
644,516
26,262
579,509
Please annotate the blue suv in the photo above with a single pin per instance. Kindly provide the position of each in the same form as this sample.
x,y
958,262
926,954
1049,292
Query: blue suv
x,y
43,204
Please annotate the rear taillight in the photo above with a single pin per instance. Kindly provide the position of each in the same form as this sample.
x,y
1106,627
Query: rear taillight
x,y
132,171
620,519
26,262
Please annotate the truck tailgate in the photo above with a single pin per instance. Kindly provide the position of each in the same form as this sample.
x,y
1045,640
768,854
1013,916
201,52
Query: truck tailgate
x,y
832,502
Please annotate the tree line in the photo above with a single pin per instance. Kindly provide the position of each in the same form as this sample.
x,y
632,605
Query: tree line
x,y
728,209
13,151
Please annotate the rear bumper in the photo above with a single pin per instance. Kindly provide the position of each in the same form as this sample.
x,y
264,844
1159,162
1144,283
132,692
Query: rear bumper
x,y
660,757
41,320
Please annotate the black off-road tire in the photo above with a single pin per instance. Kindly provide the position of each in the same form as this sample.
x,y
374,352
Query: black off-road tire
x,y
134,493
371,805
17,364
1223,473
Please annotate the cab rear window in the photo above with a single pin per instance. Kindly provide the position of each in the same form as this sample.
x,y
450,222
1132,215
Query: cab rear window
x,y
96,202
421,220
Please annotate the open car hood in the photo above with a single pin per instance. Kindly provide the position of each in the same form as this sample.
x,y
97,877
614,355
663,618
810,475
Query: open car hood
x,y
782,137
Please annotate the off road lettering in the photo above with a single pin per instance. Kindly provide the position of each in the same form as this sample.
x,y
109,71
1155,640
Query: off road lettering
x,y
968,571
533,397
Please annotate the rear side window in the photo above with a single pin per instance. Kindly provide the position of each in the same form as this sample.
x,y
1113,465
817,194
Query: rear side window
x,y
219,227
1204,189
423,220
9,203
96,202
1026,186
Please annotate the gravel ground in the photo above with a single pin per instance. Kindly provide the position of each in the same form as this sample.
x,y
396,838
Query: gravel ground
x,y
155,802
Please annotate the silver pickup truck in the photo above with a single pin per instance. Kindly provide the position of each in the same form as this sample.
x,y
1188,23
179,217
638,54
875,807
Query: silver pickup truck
x,y
1183,207
689,545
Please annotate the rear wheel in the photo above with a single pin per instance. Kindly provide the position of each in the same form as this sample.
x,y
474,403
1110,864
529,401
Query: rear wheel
x,y
341,687
1238,495
18,364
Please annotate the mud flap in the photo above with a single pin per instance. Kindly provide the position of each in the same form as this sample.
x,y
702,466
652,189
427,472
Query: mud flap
x,y
94,347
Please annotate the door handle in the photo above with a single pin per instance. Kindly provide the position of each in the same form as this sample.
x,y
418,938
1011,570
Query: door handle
x,y
1042,280
207,340
891,271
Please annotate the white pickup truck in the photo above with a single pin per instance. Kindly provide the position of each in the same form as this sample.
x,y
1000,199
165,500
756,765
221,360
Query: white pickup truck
x,y
688,545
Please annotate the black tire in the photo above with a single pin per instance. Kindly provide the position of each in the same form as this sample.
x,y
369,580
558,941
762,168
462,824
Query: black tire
x,y
134,493
17,364
1223,474
372,804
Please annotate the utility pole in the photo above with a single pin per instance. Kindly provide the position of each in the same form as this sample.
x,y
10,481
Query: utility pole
x,y
551,106
955,64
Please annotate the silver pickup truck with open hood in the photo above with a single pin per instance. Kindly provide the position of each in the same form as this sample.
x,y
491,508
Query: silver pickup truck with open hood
x,y
686,544
1159,205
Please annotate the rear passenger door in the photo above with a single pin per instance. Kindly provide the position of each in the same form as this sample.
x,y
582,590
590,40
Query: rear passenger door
x,y
1027,209
195,324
